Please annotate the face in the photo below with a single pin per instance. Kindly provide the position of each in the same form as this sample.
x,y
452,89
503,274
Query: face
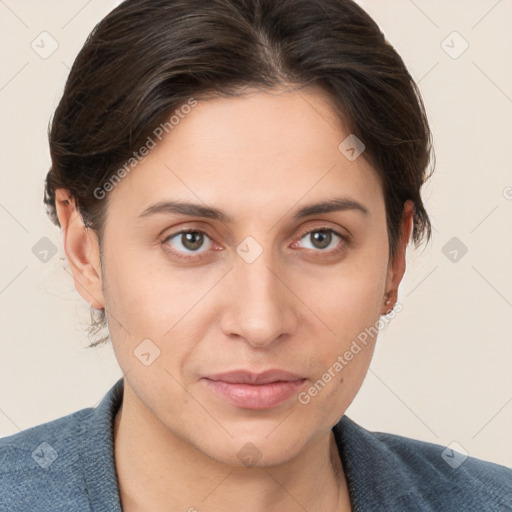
x,y
264,285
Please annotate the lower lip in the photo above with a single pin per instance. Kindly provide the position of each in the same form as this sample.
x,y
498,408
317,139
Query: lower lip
x,y
249,396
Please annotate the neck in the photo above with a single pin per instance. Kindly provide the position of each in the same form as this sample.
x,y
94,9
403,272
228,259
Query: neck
x,y
155,468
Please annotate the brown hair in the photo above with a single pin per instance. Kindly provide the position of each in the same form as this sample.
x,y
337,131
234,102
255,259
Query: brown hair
x,y
148,57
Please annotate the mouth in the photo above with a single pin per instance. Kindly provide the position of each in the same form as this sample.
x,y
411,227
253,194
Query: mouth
x,y
248,390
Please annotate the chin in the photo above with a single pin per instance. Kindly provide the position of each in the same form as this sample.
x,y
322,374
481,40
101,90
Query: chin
x,y
253,451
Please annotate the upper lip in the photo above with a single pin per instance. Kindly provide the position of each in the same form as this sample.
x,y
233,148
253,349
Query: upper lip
x,y
247,377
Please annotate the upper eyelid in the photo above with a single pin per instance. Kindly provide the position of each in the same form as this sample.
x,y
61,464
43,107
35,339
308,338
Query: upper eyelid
x,y
322,228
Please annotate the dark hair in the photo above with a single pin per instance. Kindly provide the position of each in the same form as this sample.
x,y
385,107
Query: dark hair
x,y
148,57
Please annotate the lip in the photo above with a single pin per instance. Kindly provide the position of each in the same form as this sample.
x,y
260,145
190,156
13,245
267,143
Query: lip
x,y
248,377
250,390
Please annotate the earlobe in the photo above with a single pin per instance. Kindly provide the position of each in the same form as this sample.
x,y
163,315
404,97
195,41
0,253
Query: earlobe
x,y
82,250
396,267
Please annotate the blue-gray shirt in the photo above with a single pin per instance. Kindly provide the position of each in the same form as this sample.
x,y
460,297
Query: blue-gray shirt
x,y
67,465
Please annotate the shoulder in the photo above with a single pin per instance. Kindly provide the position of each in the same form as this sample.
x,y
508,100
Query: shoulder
x,y
436,476
450,467
40,467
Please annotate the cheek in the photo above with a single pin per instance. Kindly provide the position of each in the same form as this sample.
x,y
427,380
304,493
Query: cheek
x,y
142,292
145,299
350,299
348,306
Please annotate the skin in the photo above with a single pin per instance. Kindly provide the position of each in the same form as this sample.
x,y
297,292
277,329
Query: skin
x,y
298,306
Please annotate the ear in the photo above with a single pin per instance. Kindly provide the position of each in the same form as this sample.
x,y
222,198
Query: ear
x,y
82,250
396,267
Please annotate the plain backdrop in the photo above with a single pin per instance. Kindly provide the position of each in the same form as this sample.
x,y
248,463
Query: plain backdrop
x,y
442,367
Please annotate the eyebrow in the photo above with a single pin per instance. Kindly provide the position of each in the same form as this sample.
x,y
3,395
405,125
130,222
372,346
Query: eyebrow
x,y
198,210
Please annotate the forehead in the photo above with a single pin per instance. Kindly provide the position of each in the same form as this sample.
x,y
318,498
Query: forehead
x,y
251,153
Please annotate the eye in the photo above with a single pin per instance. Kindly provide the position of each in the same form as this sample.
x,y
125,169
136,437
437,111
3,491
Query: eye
x,y
187,241
322,238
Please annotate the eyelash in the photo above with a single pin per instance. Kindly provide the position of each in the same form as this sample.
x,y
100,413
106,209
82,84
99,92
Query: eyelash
x,y
345,240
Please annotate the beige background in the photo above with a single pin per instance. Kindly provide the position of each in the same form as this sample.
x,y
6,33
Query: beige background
x,y
441,372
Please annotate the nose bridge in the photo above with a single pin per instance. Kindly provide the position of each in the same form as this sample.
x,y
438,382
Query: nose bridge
x,y
260,309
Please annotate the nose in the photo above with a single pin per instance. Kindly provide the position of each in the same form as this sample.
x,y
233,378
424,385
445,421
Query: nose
x,y
259,306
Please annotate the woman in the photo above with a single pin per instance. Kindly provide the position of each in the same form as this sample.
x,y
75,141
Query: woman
x,y
237,182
